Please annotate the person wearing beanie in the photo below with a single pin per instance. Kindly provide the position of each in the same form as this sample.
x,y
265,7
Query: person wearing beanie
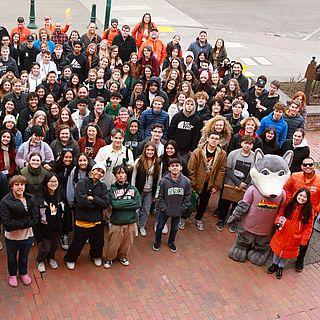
x,y
110,33
154,90
91,198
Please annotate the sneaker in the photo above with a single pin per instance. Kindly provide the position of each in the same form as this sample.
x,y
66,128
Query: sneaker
x,y
172,247
26,279
64,242
272,269
156,246
97,262
165,229
87,241
182,224
136,233
1,246
107,264
200,225
232,228
41,267
279,273
71,265
124,261
53,263
299,266
155,226
220,225
13,281
143,231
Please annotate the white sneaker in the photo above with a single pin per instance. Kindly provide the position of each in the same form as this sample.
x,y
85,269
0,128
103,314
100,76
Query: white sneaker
x,y
107,264
165,229
71,265
53,263
1,246
41,267
182,224
124,261
97,262
143,231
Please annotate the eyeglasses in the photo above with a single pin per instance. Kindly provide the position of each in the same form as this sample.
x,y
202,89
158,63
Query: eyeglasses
x,y
308,164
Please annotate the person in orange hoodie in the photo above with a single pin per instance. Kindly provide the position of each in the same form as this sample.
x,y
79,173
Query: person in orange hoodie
x,y
141,30
110,33
307,178
23,31
158,46
294,228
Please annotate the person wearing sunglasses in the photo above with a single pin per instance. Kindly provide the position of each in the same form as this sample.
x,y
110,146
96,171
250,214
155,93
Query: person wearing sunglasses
x,y
307,178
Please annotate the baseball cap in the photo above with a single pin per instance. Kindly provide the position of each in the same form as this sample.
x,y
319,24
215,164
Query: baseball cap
x,y
99,165
30,38
260,83
37,131
9,117
20,19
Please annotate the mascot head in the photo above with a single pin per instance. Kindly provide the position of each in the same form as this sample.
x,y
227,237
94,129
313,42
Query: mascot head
x,y
270,172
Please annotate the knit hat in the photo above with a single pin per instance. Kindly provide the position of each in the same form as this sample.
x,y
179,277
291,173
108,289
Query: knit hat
x,y
99,165
9,117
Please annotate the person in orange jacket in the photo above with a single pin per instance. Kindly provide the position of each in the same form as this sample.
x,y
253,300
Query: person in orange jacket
x,y
307,178
23,31
294,228
111,32
159,47
141,30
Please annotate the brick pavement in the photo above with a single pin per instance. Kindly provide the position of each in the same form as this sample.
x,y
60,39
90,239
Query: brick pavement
x,y
198,282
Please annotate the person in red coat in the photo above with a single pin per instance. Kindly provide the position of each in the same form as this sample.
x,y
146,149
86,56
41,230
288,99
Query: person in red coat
x,y
122,120
92,141
7,153
294,227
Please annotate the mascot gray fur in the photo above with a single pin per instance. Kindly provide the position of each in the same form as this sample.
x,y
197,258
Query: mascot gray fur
x,y
259,207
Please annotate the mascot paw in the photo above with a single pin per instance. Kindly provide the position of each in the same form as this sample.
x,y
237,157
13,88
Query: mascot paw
x,y
237,253
257,257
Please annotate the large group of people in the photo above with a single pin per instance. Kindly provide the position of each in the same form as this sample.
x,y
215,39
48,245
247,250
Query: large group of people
x,y
104,129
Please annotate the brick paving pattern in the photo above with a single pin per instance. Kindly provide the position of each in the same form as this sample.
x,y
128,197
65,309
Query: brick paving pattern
x,y
198,282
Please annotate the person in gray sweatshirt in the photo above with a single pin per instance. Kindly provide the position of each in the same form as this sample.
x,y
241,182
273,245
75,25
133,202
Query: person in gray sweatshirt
x,y
173,199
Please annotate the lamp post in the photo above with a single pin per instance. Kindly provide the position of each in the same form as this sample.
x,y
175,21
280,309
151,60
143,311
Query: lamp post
x,y
32,17
107,15
93,13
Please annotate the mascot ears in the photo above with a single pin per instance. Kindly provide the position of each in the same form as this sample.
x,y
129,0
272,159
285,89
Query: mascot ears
x,y
288,156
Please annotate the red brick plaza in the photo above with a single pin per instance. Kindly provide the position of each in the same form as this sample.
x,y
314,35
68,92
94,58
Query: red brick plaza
x,y
198,282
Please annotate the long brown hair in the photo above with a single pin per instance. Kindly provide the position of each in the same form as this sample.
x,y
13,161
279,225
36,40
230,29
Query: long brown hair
x,y
70,123
143,160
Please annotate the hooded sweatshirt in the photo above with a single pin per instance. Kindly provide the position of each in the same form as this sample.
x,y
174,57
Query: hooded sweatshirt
x,y
185,130
174,195
131,141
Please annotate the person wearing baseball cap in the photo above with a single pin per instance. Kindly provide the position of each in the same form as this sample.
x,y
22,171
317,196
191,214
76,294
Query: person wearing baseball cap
x,y
23,31
91,198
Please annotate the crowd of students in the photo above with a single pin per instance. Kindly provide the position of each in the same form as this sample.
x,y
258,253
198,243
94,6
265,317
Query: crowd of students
x,y
120,125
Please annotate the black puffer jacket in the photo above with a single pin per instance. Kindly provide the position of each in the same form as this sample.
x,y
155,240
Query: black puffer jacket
x,y
13,214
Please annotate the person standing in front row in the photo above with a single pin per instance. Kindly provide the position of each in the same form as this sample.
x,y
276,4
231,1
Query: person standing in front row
x,y
172,201
18,214
91,198
125,200
207,167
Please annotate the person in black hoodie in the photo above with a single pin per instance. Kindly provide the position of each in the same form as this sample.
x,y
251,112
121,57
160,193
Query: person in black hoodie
x,y
269,141
51,211
18,214
59,58
154,90
173,200
185,128
91,198
28,54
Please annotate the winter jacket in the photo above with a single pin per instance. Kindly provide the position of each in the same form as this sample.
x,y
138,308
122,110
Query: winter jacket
x,y
236,144
280,126
204,115
293,122
34,178
4,186
140,35
185,130
12,158
285,242
125,200
13,214
4,65
174,195
297,181
158,48
197,48
27,148
27,57
96,147
300,152
72,146
148,118
90,210
24,118
20,101
126,46
235,123
268,102
197,167
242,80
152,61
250,99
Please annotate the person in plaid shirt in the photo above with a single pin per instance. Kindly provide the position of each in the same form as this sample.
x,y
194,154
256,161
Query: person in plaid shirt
x,y
57,35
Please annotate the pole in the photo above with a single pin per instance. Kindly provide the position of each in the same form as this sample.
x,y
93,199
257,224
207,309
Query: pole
x,y
107,15
32,17
93,13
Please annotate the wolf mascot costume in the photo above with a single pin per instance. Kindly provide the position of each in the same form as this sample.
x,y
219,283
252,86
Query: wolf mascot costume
x,y
259,207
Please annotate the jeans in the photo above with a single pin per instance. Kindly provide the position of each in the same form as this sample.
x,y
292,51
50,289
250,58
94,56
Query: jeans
x,y
21,249
280,262
162,219
48,247
204,198
144,211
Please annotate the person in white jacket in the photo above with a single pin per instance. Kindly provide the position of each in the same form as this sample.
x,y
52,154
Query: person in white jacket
x,y
114,154
46,65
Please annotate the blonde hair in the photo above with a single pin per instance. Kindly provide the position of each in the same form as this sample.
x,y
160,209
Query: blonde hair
x,y
209,127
